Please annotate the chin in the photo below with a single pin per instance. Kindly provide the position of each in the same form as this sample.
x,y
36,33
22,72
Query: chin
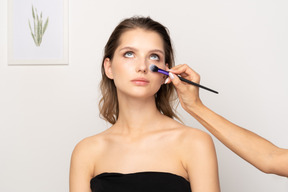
x,y
138,91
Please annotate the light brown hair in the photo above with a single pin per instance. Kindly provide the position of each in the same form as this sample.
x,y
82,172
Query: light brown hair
x,y
108,105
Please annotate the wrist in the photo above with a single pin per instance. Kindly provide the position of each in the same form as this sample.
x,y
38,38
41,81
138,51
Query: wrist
x,y
195,107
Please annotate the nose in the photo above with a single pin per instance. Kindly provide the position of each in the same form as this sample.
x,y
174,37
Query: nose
x,y
142,66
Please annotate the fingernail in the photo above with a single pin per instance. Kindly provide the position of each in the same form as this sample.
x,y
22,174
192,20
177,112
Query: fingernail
x,y
166,80
171,76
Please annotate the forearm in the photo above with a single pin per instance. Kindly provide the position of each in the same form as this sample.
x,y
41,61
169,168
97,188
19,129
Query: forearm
x,y
248,145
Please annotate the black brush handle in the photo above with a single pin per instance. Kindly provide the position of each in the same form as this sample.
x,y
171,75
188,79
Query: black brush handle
x,y
196,84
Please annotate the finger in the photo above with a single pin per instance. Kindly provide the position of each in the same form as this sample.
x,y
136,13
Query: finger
x,y
185,71
183,68
178,68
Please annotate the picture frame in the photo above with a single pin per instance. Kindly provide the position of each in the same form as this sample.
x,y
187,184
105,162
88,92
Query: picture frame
x,y
38,32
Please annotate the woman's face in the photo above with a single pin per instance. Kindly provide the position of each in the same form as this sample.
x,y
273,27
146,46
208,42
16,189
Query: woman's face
x,y
129,68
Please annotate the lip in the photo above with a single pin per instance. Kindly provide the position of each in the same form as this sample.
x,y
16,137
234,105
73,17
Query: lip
x,y
140,81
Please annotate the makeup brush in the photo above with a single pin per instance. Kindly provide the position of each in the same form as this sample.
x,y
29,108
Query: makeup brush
x,y
154,68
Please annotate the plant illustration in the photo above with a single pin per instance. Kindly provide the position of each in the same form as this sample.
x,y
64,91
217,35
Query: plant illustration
x,y
39,27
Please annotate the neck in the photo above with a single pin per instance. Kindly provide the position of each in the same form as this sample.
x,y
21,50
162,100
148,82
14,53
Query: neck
x,y
137,116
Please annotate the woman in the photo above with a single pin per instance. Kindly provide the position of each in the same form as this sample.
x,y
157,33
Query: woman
x,y
145,149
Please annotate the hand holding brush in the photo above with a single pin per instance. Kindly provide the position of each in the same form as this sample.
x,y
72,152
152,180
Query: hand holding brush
x,y
154,68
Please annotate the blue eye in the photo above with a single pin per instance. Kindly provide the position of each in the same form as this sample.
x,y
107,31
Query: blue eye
x,y
154,57
129,54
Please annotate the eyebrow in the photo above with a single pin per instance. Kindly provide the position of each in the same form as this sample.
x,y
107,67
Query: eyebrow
x,y
157,50
124,48
132,48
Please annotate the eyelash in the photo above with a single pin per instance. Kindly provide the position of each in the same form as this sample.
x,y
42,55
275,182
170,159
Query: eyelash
x,y
128,52
152,55
158,58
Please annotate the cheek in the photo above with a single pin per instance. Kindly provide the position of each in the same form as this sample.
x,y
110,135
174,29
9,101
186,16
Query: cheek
x,y
120,72
161,65
117,69
160,80
122,65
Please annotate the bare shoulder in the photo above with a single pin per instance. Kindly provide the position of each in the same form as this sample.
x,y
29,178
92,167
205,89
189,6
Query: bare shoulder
x,y
89,145
88,150
188,135
82,163
194,137
194,143
198,157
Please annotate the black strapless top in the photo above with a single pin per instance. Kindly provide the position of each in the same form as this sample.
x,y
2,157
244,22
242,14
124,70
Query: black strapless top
x,y
139,182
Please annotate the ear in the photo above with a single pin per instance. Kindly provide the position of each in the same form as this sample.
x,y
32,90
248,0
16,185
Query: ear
x,y
167,68
108,68
165,78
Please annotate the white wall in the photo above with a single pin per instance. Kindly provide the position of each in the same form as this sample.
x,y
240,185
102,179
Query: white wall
x,y
238,47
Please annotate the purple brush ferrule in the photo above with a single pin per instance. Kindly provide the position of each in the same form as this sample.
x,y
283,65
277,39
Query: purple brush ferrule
x,y
163,71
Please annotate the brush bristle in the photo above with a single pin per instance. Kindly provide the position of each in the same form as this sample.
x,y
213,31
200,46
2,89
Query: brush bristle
x,y
153,68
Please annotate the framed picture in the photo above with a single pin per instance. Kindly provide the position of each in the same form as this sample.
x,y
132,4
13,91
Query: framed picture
x,y
37,32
